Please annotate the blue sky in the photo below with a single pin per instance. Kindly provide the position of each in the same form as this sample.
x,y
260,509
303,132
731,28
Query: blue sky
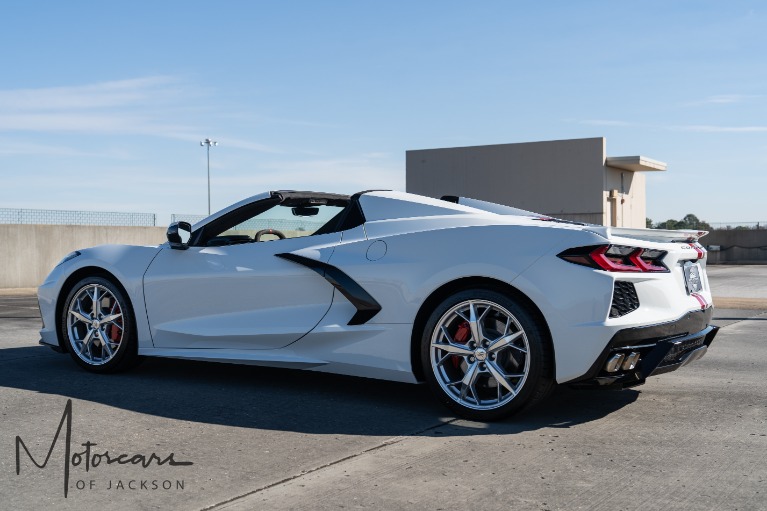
x,y
103,104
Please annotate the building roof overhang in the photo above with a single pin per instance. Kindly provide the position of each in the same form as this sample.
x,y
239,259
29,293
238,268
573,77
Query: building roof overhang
x,y
635,163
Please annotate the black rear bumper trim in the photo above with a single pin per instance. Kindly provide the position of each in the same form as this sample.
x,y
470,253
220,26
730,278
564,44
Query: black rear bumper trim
x,y
655,343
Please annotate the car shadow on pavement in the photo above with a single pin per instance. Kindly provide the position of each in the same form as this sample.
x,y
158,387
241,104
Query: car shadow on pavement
x,y
281,399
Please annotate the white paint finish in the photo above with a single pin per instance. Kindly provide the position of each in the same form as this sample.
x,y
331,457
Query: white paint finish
x,y
580,327
492,207
376,250
236,297
389,205
371,350
126,263
354,234
422,262
383,228
242,303
652,235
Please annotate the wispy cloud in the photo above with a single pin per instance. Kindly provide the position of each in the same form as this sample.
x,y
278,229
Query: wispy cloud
x,y
17,147
248,145
352,173
255,117
138,91
158,106
225,141
128,107
91,123
724,99
605,122
703,128
699,128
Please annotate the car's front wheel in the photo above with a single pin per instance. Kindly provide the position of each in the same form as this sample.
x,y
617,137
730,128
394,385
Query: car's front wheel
x,y
485,355
98,327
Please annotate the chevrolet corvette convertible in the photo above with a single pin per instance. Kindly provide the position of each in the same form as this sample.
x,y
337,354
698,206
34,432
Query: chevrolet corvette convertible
x,y
491,306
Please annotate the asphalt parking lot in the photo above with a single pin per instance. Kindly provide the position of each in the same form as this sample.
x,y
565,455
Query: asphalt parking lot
x,y
278,439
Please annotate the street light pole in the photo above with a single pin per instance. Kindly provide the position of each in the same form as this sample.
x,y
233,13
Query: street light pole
x,y
207,143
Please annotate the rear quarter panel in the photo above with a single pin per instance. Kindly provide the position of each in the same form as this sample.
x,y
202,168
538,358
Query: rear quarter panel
x,y
416,264
573,300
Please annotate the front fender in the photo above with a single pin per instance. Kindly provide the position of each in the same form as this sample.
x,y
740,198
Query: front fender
x,y
126,263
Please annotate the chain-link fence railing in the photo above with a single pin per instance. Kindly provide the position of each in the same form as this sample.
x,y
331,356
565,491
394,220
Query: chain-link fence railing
x,y
738,226
278,224
181,217
256,224
61,217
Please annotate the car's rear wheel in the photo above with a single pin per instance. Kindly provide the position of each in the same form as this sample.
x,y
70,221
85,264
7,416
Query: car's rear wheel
x,y
98,326
485,355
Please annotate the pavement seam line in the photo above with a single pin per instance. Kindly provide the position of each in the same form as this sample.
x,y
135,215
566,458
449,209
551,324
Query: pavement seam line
x,y
741,320
392,441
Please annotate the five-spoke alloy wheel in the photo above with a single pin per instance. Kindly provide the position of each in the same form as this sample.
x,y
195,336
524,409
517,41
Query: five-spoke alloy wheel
x,y
97,324
485,355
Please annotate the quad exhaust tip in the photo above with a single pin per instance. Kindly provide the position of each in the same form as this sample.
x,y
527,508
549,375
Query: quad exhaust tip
x,y
631,361
623,361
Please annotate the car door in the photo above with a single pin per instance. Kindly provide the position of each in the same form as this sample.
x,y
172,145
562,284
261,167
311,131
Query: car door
x,y
235,297
229,290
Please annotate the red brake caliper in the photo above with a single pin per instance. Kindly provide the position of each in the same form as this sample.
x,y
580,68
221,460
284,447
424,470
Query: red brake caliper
x,y
114,332
461,336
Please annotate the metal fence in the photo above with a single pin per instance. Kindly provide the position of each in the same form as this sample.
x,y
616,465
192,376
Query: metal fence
x,y
279,224
181,217
61,217
64,217
738,226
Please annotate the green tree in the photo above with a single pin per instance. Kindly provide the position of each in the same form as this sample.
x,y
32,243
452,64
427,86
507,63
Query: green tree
x,y
689,221
668,224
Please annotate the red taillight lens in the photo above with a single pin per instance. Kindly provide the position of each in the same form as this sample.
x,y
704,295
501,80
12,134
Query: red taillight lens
x,y
617,258
614,258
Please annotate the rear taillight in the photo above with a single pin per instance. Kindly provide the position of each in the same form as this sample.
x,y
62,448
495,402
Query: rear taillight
x,y
618,258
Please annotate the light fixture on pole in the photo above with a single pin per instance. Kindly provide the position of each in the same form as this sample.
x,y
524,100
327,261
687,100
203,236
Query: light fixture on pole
x,y
207,143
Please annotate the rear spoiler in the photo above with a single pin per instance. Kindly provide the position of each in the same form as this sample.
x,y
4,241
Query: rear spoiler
x,y
657,235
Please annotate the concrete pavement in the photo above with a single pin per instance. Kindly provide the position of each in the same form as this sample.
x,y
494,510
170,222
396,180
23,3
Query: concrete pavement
x,y
278,439
740,287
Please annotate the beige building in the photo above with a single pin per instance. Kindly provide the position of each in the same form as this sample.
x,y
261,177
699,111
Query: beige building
x,y
569,179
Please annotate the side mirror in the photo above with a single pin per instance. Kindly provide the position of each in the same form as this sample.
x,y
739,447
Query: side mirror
x,y
178,235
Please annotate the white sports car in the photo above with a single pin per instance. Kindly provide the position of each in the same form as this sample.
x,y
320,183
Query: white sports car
x,y
488,304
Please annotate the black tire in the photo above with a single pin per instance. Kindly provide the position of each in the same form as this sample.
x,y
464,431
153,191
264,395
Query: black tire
x,y
120,332
444,375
